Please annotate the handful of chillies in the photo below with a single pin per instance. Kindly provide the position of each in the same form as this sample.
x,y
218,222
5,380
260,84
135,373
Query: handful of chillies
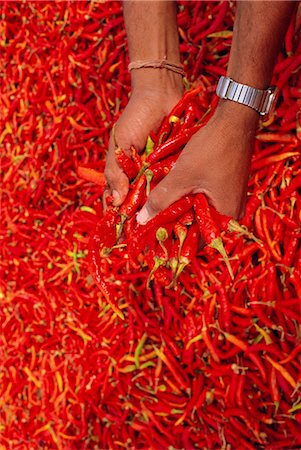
x,y
141,245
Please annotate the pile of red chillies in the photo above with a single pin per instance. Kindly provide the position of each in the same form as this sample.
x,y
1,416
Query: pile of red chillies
x,y
168,347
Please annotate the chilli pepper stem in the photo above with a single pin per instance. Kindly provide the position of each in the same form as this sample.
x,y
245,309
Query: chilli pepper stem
x,y
217,244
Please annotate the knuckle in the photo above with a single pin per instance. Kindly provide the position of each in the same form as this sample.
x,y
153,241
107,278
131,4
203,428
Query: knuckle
x,y
108,173
117,180
120,136
110,176
112,169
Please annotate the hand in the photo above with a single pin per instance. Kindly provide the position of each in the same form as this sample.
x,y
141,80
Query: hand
x,y
215,162
145,111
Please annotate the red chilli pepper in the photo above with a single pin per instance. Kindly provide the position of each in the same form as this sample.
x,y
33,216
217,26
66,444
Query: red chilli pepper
x,y
227,223
208,343
172,213
208,228
126,163
92,175
136,158
134,198
243,346
172,145
225,307
189,248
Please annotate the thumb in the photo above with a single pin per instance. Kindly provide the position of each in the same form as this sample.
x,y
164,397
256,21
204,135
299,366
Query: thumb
x,y
169,190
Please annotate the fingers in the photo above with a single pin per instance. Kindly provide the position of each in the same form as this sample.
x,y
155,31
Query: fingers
x,y
118,184
117,181
229,197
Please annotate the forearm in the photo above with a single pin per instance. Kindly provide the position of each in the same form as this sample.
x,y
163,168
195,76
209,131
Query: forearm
x,y
152,33
151,28
259,31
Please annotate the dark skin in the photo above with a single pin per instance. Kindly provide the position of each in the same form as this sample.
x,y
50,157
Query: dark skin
x,y
216,160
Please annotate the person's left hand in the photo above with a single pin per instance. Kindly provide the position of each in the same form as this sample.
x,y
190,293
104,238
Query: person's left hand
x,y
215,162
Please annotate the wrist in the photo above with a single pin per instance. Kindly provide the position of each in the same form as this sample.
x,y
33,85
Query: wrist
x,y
257,77
236,113
158,79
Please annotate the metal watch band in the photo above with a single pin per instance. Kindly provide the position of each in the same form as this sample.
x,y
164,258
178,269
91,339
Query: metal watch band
x,y
258,99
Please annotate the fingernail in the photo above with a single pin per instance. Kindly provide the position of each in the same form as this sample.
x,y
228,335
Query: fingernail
x,y
143,216
116,196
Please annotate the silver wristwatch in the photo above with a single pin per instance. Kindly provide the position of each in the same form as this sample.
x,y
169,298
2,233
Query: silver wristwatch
x,y
263,101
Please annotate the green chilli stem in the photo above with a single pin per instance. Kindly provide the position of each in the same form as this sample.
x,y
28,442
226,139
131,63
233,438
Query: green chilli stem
x,y
234,227
217,244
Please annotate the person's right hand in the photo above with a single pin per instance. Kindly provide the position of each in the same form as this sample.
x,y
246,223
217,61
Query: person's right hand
x,y
150,101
